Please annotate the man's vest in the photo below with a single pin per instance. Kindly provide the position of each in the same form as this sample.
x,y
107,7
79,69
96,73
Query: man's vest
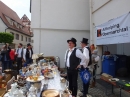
x,y
28,53
73,60
90,58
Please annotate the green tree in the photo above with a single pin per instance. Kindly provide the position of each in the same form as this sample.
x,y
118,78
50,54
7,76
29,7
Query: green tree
x,y
6,37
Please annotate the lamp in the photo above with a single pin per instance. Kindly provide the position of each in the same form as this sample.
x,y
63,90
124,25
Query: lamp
x,y
35,57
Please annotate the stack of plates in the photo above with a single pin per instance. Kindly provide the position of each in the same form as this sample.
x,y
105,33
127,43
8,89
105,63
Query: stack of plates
x,y
51,93
114,79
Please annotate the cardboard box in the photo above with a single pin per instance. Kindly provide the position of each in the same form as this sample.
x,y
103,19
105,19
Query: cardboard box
x,y
1,78
3,84
6,78
106,76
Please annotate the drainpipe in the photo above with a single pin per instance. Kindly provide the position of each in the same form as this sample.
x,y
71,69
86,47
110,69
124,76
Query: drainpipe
x,y
91,23
40,31
6,29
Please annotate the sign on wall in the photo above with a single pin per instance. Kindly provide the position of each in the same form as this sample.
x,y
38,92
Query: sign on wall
x,y
114,31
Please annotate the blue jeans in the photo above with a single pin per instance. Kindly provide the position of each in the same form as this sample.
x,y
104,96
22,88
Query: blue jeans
x,y
28,61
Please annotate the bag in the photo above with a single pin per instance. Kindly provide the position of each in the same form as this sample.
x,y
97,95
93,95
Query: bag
x,y
85,76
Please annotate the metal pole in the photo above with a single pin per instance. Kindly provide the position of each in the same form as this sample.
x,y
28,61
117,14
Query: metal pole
x,y
40,30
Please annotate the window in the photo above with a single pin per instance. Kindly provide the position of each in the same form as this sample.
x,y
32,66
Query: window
x,y
26,39
32,41
12,33
29,39
17,25
17,36
11,22
21,37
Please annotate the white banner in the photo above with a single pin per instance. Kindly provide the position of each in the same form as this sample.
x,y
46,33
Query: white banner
x,y
114,31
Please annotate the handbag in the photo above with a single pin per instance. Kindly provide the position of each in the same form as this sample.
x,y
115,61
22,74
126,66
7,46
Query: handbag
x,y
85,75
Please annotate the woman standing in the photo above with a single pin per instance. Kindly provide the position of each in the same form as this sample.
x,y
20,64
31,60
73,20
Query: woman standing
x,y
6,57
95,59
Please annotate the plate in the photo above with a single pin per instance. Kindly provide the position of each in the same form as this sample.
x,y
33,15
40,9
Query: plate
x,y
114,79
50,93
39,79
50,75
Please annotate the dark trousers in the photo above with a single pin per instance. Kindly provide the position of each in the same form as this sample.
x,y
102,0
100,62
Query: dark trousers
x,y
72,76
85,88
6,65
94,72
19,64
28,61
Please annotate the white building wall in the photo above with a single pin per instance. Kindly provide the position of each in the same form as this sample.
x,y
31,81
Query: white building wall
x,y
54,42
55,21
2,26
61,14
102,13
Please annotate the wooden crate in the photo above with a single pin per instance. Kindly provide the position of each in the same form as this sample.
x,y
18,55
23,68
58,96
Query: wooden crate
x,y
3,84
2,92
1,78
6,78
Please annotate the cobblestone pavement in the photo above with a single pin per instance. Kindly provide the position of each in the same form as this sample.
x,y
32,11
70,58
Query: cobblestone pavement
x,y
99,91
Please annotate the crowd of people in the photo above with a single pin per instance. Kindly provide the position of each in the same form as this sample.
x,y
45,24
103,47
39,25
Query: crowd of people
x,y
86,59
19,56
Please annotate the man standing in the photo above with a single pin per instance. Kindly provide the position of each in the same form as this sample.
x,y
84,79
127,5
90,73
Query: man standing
x,y
19,54
87,54
28,54
72,61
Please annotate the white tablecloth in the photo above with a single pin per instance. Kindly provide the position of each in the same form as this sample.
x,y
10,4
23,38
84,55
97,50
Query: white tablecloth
x,y
53,84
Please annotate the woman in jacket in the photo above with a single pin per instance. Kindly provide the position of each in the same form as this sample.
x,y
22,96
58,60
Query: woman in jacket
x,y
95,59
6,57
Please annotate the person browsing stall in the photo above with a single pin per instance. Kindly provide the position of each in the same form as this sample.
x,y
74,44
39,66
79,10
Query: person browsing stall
x,y
28,54
87,54
19,56
72,61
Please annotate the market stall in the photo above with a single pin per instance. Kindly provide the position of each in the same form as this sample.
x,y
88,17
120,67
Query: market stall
x,y
40,79
114,37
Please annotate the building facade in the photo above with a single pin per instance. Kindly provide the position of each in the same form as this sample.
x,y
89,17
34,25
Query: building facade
x,y
27,23
11,23
53,22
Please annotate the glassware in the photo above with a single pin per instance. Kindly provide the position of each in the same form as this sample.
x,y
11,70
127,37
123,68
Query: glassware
x,y
67,84
32,92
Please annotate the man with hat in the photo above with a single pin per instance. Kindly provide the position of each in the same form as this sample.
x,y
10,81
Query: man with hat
x,y
87,54
28,54
72,61
19,56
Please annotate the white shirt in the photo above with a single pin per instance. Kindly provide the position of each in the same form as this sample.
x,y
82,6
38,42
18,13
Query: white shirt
x,y
24,54
86,54
78,54
19,52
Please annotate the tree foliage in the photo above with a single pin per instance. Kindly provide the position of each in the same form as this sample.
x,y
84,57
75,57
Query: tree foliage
x,y
6,37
